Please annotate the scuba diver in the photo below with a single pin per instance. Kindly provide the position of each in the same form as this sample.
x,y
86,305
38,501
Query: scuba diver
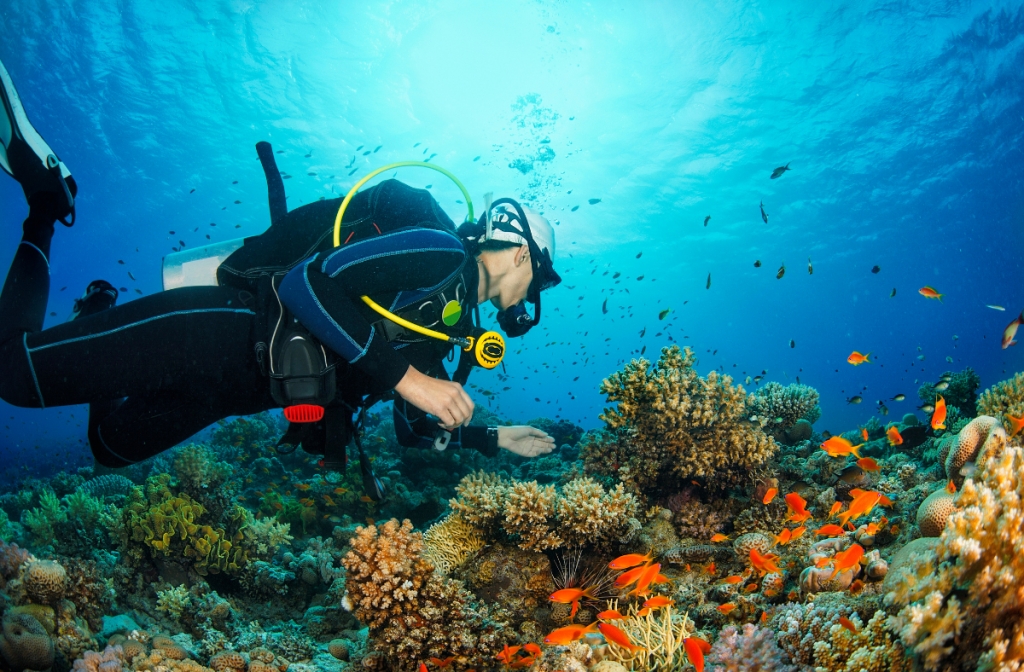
x,y
285,320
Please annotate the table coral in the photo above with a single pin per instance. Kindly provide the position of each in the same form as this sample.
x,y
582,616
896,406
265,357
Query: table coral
x,y
413,612
670,423
962,600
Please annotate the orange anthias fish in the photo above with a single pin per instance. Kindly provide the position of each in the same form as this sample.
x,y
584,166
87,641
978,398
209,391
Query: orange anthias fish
x,y
782,538
764,563
797,507
835,509
861,505
857,359
695,649
1016,424
951,487
570,633
733,580
442,663
848,624
509,651
716,538
864,433
848,559
571,596
726,608
882,499
303,486
643,583
837,446
769,496
1011,331
868,464
930,293
532,648
830,530
893,435
617,637
627,578
659,602
610,615
423,668
629,560
939,416
797,533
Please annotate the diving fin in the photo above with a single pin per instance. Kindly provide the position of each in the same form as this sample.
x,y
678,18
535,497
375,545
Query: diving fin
x,y
26,157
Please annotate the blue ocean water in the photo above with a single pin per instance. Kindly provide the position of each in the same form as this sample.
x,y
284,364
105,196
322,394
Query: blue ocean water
x,y
902,124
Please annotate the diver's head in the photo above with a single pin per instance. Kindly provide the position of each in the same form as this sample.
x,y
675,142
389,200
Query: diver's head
x,y
516,247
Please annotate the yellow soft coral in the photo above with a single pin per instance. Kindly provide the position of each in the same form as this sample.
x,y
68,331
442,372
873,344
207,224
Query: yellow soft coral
x,y
1004,399
970,603
451,542
670,421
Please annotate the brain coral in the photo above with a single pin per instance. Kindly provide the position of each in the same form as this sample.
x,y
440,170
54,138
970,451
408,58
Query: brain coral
x,y
777,408
412,612
981,435
934,512
671,424
1004,399
45,581
961,602
24,643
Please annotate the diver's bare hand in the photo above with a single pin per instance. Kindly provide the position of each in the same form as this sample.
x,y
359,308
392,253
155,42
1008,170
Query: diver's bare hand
x,y
525,441
441,398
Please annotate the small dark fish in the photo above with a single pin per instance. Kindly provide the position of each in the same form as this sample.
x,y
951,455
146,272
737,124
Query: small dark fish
x,y
617,274
593,201
367,153
359,147
899,397
892,293
121,261
876,269
428,186
639,277
310,155
927,408
854,400
53,314
883,409
792,343
235,182
764,215
192,191
853,475
123,289
643,331
779,171
782,272
643,350
810,269
416,145
181,242
663,314
476,158
63,288
639,254
237,202
708,285
604,307
377,148
575,208
757,263
171,232
130,275
311,174
138,291
941,386
707,219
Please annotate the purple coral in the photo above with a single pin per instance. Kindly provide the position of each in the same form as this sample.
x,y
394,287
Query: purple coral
x,y
11,559
752,650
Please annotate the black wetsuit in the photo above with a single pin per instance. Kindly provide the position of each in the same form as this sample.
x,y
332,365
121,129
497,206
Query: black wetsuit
x,y
160,368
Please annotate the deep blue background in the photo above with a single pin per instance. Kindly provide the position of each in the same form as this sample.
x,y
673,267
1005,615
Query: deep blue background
x,y
903,125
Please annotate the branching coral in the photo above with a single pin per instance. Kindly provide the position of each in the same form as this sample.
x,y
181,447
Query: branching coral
x,y
669,422
411,611
812,636
541,517
752,649
198,469
41,520
1004,399
777,408
969,590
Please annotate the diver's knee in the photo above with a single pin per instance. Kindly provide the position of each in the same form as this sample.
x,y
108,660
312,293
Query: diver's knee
x,y
17,387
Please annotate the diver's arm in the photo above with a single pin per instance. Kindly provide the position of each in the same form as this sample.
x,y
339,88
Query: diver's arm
x,y
323,293
414,429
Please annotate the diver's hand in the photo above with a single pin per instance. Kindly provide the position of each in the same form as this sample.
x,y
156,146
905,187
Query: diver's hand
x,y
441,398
525,441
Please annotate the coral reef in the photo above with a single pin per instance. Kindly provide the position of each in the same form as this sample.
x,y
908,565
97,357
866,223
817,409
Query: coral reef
x,y
540,517
671,424
934,512
778,408
451,542
969,589
1004,399
752,650
961,393
25,644
960,453
813,636
413,612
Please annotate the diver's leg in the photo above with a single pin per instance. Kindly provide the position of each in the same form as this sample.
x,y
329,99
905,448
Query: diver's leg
x,y
144,426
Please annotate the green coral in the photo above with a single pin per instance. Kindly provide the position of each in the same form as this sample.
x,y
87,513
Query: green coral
x,y
42,519
172,524
671,425
198,469
1003,399
962,391
174,601
6,533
